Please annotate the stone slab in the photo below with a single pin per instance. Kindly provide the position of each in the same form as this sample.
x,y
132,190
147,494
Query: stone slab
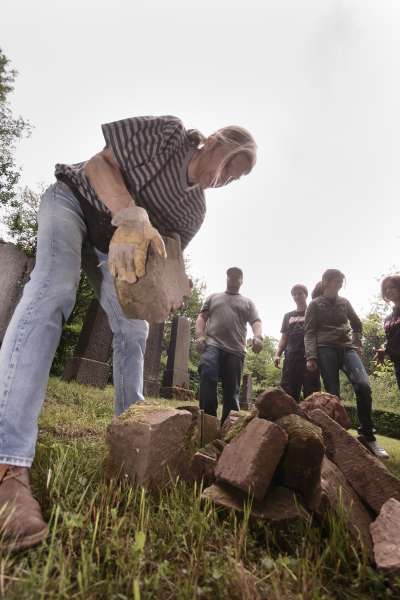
x,y
385,532
372,481
249,461
165,282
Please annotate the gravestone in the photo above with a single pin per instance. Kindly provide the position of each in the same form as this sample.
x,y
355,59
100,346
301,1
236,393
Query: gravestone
x,y
152,357
246,393
15,269
89,364
176,374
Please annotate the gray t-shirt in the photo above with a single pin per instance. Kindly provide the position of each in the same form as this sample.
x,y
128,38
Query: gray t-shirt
x,y
228,315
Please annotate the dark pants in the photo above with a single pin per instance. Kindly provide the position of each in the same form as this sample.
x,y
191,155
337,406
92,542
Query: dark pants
x,y
396,364
331,360
296,377
218,364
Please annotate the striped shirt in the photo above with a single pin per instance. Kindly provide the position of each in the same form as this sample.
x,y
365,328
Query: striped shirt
x,y
153,154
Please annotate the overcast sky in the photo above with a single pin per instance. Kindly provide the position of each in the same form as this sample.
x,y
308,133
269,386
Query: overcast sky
x,y
316,82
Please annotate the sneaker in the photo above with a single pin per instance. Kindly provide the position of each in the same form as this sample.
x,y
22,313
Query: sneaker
x,y
375,449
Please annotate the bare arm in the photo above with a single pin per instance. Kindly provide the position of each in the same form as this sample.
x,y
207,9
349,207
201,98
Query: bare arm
x,y
257,329
106,179
201,322
281,347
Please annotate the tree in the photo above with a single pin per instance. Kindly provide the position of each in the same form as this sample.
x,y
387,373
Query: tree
x,y
11,130
373,338
21,220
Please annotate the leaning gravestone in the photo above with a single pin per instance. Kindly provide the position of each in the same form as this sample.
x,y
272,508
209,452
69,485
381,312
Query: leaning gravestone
x,y
152,360
15,269
246,393
176,375
89,364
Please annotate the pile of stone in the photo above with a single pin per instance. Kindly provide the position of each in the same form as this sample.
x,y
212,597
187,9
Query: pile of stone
x,y
283,461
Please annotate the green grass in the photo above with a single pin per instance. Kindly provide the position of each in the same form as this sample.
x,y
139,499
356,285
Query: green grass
x,y
112,541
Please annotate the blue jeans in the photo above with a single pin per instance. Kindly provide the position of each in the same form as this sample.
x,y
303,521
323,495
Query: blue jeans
x,y
34,331
331,360
216,363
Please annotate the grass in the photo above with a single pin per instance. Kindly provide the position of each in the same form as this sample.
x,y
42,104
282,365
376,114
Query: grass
x,y
112,541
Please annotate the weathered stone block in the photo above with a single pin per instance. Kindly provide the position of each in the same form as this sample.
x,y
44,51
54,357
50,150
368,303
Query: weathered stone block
x,y
329,404
336,494
150,444
249,461
366,474
165,283
205,461
275,403
279,507
385,532
300,467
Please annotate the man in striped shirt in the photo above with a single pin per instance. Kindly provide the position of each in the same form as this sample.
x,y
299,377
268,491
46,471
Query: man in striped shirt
x,y
148,181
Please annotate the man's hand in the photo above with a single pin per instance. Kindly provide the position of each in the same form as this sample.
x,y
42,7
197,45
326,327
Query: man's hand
x,y
257,344
277,361
129,245
200,343
312,365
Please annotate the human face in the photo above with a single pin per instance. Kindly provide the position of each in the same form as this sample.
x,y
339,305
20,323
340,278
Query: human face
x,y
300,298
233,282
392,292
208,172
331,289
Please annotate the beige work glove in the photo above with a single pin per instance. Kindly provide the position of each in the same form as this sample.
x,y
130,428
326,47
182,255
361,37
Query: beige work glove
x,y
128,248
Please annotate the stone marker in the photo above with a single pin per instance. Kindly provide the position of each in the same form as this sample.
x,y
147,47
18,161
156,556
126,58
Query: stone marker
x,y
149,444
210,429
385,532
161,290
300,467
89,364
279,507
336,494
329,404
15,270
366,474
275,403
152,360
246,393
176,372
249,461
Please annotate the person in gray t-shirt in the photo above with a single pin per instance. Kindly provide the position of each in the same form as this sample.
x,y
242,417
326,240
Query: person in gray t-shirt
x,y
221,338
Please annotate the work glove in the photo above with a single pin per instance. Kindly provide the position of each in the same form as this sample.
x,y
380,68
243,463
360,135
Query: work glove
x,y
128,248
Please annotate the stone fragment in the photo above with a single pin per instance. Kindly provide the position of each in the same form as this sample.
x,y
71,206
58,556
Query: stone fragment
x,y
300,467
210,428
230,422
165,283
249,461
329,404
385,532
280,506
275,403
205,461
338,495
15,270
366,474
150,444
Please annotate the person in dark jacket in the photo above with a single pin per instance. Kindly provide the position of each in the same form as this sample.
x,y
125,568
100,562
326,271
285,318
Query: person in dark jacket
x,y
390,288
333,338
295,376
